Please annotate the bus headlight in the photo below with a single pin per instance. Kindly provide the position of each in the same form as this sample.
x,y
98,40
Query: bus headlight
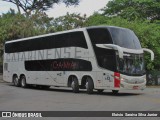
x,y
122,79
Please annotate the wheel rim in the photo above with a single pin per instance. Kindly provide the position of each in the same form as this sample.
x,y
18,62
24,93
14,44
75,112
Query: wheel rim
x,y
87,85
23,82
15,81
73,84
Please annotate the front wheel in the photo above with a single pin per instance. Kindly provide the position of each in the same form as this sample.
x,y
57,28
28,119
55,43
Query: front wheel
x,y
75,85
23,82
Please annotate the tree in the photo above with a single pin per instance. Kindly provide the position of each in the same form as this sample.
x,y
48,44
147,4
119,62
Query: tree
x,y
134,9
36,6
96,19
69,21
16,26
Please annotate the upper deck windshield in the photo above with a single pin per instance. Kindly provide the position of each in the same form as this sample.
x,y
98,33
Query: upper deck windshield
x,y
131,64
124,38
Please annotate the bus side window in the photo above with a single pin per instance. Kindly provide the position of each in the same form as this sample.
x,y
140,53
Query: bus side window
x,y
5,66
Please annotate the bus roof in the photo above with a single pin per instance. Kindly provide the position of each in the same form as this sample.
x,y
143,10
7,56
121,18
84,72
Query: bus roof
x,y
61,32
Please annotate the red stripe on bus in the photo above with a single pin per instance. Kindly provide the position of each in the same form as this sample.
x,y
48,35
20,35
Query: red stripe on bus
x,y
117,80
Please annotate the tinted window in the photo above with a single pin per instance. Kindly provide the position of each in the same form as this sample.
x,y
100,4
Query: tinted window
x,y
125,38
5,66
73,39
58,65
132,65
100,36
105,57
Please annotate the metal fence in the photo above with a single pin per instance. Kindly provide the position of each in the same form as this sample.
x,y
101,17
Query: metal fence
x,y
1,69
153,78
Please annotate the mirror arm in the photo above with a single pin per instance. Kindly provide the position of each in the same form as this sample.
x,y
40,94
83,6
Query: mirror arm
x,y
112,46
150,51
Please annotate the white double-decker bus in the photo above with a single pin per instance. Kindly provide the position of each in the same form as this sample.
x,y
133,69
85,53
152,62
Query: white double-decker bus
x,y
100,57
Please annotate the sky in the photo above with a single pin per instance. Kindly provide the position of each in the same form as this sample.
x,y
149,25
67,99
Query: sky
x,y
87,7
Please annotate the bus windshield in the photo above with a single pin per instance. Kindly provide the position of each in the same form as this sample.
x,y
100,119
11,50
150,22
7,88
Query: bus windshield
x,y
131,64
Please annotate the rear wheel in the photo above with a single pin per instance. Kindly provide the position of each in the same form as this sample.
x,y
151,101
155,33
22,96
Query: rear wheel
x,y
16,81
89,85
75,85
23,82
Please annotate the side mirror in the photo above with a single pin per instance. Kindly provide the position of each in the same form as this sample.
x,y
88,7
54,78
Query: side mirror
x,y
150,51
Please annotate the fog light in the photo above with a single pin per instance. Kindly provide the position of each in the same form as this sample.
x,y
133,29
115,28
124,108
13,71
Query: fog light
x,y
122,85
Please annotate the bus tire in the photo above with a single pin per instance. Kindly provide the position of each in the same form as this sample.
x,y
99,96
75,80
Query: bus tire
x,y
100,90
16,81
75,85
115,91
23,81
89,85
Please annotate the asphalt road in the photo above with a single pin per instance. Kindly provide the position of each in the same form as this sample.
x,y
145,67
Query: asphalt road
x,y
63,99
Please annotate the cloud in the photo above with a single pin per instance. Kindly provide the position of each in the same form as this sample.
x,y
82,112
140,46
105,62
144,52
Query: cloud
x,y
5,7
87,7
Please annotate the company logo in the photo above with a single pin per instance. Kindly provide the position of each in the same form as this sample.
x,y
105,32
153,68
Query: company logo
x,y
21,114
6,114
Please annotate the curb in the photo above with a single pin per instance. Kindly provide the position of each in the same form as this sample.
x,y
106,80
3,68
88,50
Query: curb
x,y
158,86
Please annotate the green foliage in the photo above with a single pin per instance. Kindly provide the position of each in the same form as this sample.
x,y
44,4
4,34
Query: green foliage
x,y
16,26
134,9
69,21
96,19
35,6
148,33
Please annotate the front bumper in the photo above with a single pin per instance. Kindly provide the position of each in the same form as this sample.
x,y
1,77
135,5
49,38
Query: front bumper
x,y
127,86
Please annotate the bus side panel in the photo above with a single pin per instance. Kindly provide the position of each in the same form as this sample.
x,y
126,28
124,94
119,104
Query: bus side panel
x,y
9,71
54,78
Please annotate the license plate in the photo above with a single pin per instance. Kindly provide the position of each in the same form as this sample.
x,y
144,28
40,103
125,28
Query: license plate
x,y
135,87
